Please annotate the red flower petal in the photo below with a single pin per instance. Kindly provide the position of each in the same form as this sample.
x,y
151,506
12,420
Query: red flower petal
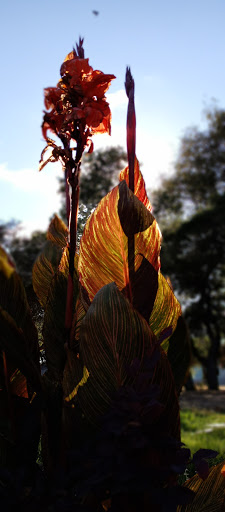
x,y
52,96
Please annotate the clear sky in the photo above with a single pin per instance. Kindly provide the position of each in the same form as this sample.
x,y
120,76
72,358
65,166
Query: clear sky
x,y
176,51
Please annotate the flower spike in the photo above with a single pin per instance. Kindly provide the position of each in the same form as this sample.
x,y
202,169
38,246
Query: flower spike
x,y
131,126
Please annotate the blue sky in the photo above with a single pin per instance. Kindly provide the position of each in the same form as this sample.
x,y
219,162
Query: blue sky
x,y
176,53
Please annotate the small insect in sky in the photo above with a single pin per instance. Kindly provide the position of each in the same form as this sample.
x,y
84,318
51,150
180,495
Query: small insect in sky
x,y
96,13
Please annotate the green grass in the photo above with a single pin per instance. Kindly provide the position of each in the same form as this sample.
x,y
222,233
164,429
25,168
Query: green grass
x,y
193,421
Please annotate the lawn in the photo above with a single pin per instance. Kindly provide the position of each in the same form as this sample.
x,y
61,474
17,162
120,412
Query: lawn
x,y
194,423
200,429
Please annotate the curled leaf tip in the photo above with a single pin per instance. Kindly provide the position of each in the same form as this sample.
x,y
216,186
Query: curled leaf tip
x,y
129,83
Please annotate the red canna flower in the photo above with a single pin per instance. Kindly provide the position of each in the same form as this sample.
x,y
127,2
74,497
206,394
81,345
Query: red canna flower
x,y
76,108
78,99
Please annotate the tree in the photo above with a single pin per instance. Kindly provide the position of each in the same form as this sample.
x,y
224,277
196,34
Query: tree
x,y
25,251
191,203
98,175
8,231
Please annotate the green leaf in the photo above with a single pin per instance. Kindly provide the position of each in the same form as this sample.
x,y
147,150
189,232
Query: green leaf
x,y
210,493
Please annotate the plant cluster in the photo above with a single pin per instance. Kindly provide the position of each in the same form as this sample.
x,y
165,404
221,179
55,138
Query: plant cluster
x,y
105,403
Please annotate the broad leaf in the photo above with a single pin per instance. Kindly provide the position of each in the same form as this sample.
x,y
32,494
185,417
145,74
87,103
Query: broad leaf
x,y
103,249
49,259
210,493
112,334
139,184
144,289
104,257
57,232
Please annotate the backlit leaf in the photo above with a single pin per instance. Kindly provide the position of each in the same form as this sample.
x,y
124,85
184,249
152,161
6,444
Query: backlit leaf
x,y
166,310
49,259
103,249
139,184
81,382
104,258
57,232
44,270
210,493
112,334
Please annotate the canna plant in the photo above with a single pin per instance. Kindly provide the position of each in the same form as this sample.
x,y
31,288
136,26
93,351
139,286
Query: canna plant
x,y
116,346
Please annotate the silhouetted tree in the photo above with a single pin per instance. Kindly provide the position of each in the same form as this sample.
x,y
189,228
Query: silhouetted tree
x,y
190,207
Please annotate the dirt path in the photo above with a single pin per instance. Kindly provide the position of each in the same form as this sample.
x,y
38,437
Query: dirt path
x,y
203,399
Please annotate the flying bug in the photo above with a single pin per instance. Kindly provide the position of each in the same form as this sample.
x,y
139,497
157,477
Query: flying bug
x,y
96,13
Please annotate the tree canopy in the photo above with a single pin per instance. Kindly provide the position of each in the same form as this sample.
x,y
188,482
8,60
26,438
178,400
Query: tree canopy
x,y
190,206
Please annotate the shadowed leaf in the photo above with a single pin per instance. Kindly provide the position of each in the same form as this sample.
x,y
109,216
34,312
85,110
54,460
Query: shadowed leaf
x,y
179,353
18,335
163,377
54,331
139,184
134,216
14,344
145,285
